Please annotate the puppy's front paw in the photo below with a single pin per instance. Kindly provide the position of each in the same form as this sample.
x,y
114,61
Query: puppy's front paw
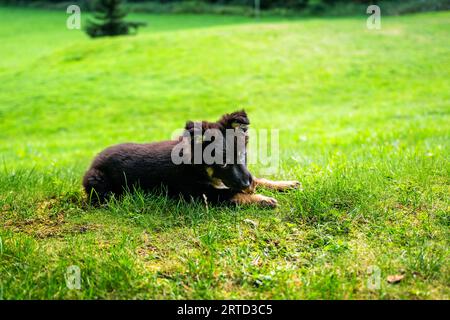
x,y
268,202
277,185
285,185
292,184
259,199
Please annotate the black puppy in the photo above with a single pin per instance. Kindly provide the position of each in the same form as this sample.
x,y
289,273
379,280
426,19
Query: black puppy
x,y
150,166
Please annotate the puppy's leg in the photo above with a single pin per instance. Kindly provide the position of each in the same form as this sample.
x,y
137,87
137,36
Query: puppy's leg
x,y
276,185
245,198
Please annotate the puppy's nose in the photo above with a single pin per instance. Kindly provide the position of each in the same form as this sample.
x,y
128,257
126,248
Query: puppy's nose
x,y
246,184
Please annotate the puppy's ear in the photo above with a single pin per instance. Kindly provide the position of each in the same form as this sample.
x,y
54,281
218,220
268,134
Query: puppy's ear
x,y
194,131
235,120
189,125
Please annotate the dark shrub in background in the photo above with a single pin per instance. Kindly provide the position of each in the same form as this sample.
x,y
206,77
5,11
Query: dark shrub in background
x,y
109,20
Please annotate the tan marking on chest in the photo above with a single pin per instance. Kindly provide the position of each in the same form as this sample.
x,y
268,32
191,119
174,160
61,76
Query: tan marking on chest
x,y
215,182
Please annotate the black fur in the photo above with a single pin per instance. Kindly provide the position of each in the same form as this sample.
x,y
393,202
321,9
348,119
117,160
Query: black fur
x,y
149,166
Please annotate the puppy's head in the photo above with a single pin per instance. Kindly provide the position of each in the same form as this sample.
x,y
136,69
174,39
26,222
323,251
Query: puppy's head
x,y
221,147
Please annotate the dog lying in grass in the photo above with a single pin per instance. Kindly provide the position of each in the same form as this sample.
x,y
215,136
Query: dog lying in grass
x,y
182,166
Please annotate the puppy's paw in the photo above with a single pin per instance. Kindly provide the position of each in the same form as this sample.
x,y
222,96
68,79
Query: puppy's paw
x,y
292,184
258,199
285,185
278,185
267,202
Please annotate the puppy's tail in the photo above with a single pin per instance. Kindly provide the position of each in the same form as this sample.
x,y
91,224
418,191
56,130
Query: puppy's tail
x,y
96,186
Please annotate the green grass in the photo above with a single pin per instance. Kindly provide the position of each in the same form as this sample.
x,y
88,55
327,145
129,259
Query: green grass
x,y
364,125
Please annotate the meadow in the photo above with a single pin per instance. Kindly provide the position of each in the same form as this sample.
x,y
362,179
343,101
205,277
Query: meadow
x,y
363,117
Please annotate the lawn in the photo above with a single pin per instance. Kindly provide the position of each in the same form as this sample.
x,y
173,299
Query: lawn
x,y
364,124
